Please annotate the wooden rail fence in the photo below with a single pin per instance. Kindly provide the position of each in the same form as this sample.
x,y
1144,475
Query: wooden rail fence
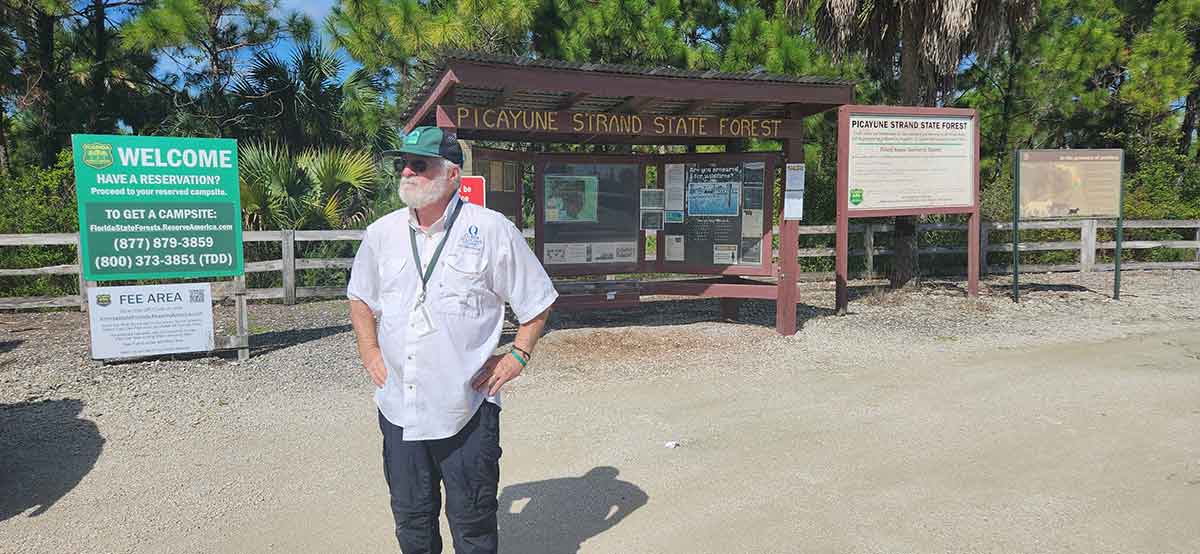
x,y
288,264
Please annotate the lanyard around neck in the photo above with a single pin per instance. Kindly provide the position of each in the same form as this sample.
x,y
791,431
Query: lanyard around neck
x,y
427,272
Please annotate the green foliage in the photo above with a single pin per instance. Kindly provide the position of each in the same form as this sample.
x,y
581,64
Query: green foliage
x,y
323,188
39,201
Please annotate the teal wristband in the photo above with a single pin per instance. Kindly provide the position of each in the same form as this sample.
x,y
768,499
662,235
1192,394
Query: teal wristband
x,y
519,358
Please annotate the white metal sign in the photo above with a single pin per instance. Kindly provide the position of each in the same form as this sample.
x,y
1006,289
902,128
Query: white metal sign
x,y
148,320
905,161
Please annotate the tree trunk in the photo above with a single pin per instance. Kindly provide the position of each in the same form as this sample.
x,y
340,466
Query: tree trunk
x,y
904,251
3,141
46,89
1190,115
97,119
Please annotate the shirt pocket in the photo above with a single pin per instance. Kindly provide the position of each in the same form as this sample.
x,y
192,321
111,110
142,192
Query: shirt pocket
x,y
464,286
392,276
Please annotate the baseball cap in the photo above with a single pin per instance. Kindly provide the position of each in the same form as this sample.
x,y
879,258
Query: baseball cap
x,y
431,141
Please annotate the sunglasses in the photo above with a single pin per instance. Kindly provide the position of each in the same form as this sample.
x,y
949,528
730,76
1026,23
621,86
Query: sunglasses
x,y
416,164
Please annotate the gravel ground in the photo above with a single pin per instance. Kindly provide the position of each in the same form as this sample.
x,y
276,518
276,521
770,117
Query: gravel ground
x,y
102,457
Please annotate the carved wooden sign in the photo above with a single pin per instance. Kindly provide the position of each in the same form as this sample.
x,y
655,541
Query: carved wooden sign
x,y
599,123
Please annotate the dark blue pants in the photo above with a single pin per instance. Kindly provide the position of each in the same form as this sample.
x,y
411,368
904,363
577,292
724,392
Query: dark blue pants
x,y
467,463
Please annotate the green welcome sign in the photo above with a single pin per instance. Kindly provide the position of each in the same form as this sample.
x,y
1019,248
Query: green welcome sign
x,y
157,207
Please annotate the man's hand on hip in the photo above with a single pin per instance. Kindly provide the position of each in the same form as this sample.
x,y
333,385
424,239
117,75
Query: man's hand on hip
x,y
375,366
496,371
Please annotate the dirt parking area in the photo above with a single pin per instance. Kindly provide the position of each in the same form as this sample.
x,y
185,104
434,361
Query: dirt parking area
x,y
922,422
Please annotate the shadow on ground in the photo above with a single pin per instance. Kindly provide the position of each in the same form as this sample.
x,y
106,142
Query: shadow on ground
x,y
264,343
555,516
658,313
1037,287
9,345
45,451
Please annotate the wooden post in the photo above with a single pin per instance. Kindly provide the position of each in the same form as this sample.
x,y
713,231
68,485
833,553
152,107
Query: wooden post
x,y
730,306
1198,249
243,318
984,243
83,285
1087,245
789,250
869,250
974,254
289,266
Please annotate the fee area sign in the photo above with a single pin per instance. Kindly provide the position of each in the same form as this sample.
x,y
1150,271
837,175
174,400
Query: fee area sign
x,y
157,207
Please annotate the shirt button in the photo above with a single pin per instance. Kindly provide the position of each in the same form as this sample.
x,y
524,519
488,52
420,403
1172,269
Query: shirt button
x,y
410,358
411,387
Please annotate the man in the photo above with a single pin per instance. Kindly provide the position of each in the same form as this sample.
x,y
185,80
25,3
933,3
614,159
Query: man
x,y
427,294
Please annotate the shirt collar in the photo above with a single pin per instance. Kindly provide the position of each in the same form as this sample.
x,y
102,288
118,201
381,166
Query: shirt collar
x,y
439,225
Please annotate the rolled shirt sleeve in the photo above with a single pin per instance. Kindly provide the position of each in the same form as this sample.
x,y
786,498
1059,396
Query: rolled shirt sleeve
x,y
520,279
364,276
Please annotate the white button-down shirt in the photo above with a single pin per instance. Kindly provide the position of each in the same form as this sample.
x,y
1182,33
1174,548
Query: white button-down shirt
x,y
485,263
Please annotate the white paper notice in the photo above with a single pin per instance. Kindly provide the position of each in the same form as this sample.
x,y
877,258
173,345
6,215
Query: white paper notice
x,y
566,253
795,177
150,319
752,223
673,183
674,252
725,254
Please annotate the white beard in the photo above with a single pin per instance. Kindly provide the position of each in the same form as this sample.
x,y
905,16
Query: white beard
x,y
416,196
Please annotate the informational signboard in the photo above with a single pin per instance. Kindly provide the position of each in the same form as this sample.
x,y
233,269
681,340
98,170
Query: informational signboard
x,y
723,221
906,161
910,161
590,215
1070,183
157,207
149,320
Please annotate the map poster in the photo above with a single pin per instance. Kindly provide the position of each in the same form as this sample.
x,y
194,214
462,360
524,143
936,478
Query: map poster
x,y
571,198
1070,183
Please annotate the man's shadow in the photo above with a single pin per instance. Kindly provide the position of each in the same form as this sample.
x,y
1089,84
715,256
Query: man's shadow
x,y
45,451
555,516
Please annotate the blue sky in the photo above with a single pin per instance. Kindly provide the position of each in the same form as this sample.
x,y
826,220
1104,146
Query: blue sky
x,y
316,9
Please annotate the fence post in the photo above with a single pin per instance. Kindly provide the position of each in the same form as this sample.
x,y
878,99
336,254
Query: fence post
x,y
243,317
1198,240
289,266
869,249
1087,245
83,285
984,238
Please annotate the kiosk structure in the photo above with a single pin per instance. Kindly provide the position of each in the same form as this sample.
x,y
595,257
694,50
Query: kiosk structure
x,y
711,214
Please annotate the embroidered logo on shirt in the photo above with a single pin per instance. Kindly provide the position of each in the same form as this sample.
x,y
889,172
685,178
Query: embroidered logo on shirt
x,y
471,240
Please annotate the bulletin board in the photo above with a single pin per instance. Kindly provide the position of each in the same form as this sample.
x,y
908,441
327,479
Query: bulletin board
x,y
717,213
503,171
587,213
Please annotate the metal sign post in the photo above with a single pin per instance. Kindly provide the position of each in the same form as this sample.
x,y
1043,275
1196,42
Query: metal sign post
x,y
1016,233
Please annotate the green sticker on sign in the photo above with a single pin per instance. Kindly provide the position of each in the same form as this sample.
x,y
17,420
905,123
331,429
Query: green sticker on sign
x,y
157,207
856,196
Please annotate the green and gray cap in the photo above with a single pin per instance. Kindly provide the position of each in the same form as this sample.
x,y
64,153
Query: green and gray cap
x,y
432,142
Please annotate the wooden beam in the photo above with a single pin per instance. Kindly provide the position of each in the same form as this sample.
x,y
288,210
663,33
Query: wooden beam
x,y
503,97
634,104
522,123
695,106
444,86
748,108
573,99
